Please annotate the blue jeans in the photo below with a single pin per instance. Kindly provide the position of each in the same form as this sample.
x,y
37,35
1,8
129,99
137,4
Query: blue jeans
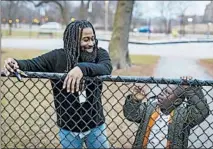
x,y
94,138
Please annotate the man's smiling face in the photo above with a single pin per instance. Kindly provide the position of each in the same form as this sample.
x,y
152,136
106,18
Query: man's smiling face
x,y
87,52
87,40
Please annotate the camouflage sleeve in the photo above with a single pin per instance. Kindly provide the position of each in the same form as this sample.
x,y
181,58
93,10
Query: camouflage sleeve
x,y
134,110
197,109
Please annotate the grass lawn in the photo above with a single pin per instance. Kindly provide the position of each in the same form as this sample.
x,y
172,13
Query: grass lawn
x,y
142,65
28,112
208,65
210,61
32,34
19,54
144,59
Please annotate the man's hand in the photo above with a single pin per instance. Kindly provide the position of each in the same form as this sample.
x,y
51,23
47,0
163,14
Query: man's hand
x,y
73,79
186,78
10,66
138,93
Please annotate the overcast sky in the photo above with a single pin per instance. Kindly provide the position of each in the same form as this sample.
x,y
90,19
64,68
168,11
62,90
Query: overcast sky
x,y
197,8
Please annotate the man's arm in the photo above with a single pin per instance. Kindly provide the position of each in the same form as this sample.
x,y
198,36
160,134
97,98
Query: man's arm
x,y
43,63
102,67
134,109
198,108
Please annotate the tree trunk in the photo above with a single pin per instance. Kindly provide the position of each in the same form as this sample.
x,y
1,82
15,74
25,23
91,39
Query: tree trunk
x,y
64,13
169,26
83,13
86,10
118,46
64,7
10,29
182,25
66,20
165,25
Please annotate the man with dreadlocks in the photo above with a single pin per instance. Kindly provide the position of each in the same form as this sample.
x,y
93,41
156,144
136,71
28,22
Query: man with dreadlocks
x,y
79,113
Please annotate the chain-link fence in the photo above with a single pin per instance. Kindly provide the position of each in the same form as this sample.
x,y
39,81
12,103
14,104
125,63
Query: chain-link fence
x,y
32,109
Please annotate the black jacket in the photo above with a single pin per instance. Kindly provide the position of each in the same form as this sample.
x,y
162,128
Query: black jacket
x,y
71,114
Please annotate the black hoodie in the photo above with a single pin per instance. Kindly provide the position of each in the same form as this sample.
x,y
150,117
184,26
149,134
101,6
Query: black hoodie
x,y
71,114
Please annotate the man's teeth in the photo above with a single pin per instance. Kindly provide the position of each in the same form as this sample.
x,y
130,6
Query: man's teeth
x,y
89,50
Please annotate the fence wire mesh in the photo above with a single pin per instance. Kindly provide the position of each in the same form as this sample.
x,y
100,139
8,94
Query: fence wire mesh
x,y
30,109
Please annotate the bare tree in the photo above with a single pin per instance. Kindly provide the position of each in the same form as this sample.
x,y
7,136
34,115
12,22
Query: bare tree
x,y
11,12
97,14
140,9
166,10
83,13
62,5
65,8
53,13
182,7
137,9
118,46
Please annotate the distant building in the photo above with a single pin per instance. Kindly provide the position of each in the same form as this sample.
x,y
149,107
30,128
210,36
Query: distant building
x,y
208,15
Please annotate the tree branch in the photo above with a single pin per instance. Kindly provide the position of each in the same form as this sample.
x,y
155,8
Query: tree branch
x,y
88,4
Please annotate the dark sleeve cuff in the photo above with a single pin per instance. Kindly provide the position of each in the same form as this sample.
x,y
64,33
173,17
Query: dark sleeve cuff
x,y
194,94
131,99
21,64
83,67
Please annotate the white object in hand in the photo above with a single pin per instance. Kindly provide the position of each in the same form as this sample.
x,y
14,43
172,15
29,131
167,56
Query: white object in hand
x,y
82,96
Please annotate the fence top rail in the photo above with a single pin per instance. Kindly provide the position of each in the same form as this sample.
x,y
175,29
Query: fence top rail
x,y
124,79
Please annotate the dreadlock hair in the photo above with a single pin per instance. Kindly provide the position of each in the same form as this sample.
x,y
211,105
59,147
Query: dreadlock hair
x,y
72,39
